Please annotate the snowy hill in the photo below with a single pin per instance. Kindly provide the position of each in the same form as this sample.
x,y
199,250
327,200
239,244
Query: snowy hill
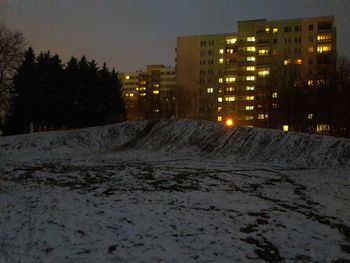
x,y
174,191
189,137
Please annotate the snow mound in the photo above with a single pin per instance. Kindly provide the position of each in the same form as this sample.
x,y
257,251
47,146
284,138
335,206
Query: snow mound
x,y
196,138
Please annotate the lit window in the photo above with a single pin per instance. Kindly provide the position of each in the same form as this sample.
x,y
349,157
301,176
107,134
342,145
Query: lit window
x,y
299,62
310,49
251,39
322,128
310,116
275,30
287,61
142,94
131,94
310,83
137,88
156,110
219,99
261,116
221,51
249,107
127,95
219,109
324,38
251,48
230,79
219,118
231,40
230,98
127,77
264,73
267,30
250,78
250,68
210,90
221,61
221,80
248,118
324,48
230,89
274,95
156,85
156,92
249,88
250,58
230,51
263,52
285,128
274,105
249,97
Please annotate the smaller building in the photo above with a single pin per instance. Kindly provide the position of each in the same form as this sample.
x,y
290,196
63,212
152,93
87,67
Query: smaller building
x,y
149,94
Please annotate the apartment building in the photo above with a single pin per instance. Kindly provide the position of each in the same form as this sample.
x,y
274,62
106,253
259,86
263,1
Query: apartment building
x,y
250,67
149,94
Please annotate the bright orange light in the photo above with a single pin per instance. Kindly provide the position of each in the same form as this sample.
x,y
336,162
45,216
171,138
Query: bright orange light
x,y
229,122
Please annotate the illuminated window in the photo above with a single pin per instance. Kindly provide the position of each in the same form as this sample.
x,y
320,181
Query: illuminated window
x,y
249,97
324,38
298,61
221,61
310,116
274,95
251,39
263,73
137,88
230,89
127,95
230,79
322,128
221,80
221,51
250,68
230,51
219,99
143,82
219,109
156,92
249,88
285,127
142,88
287,61
248,118
142,94
230,98
127,77
251,48
219,118
310,49
324,48
310,83
250,78
261,116
274,105
275,30
250,58
263,52
267,30
131,94
249,107
156,110
210,90
231,40
156,85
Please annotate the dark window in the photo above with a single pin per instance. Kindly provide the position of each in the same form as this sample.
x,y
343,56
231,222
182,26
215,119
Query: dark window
x,y
299,39
324,26
288,29
311,27
296,40
311,38
311,61
275,41
297,28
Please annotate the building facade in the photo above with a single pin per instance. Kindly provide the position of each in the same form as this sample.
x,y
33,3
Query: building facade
x,y
149,94
243,73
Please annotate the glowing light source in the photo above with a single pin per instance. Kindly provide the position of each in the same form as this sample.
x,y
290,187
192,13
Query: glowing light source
x,y
229,122
285,128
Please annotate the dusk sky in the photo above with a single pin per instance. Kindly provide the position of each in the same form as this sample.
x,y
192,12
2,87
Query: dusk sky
x,y
129,34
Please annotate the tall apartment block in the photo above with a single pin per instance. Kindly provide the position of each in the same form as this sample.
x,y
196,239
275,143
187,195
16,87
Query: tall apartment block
x,y
237,76
149,94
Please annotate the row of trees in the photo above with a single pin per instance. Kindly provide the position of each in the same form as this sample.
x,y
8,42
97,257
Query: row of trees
x,y
48,94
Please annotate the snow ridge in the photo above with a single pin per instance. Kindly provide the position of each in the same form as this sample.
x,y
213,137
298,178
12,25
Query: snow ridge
x,y
197,138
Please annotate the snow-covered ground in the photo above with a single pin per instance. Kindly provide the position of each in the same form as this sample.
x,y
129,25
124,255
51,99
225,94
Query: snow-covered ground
x,y
174,191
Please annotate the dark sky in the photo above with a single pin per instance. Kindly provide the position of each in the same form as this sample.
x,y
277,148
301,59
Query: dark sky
x,y
128,34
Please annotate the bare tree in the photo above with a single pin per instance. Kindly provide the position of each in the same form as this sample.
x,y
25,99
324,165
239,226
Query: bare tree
x,y
12,46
